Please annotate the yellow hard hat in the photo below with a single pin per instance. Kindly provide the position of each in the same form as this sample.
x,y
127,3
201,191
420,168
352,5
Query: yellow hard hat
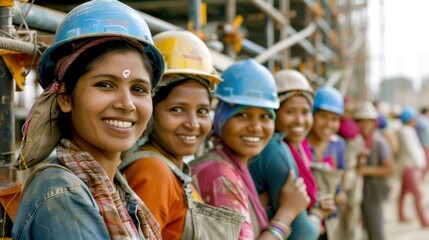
x,y
185,53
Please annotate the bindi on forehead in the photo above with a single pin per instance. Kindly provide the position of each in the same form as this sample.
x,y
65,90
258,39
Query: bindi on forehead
x,y
126,73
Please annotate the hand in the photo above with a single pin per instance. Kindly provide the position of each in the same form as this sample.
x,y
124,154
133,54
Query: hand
x,y
327,205
340,198
293,198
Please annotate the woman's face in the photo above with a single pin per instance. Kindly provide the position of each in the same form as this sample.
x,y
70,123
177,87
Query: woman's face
x,y
294,118
325,124
111,104
182,120
248,132
366,126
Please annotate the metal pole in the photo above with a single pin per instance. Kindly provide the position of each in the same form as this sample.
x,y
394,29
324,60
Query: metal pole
x,y
7,121
195,14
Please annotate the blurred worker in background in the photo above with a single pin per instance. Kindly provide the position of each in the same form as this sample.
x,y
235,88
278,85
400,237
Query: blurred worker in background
x,y
375,168
411,160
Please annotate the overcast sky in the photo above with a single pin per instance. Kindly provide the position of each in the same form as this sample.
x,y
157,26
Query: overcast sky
x,y
406,40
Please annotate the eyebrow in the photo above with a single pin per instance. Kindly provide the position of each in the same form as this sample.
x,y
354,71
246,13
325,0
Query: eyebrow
x,y
111,76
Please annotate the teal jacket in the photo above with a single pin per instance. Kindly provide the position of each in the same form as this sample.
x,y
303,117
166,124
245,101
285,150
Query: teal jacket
x,y
269,171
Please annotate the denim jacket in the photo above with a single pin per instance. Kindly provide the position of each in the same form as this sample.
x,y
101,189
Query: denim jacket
x,y
59,205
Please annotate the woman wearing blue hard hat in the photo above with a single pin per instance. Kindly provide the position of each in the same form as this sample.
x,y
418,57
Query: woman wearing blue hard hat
x,y
98,78
243,125
412,161
328,148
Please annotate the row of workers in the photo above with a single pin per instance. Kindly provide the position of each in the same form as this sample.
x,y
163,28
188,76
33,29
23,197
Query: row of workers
x,y
109,84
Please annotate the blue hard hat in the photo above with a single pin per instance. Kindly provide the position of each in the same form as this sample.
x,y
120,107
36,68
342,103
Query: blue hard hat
x,y
100,18
248,83
408,113
328,99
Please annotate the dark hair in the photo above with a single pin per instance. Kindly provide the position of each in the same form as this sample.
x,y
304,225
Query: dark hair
x,y
424,110
83,64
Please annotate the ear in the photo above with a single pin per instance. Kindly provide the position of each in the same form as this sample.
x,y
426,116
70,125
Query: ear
x,y
64,100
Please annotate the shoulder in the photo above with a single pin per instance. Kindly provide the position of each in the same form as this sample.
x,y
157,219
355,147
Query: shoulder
x,y
212,169
148,169
55,180
148,165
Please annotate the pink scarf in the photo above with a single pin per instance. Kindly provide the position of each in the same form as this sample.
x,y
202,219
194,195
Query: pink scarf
x,y
304,171
348,128
243,170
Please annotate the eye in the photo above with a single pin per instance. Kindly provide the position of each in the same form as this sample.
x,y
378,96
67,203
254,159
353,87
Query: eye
x,y
266,116
241,115
140,89
104,84
176,109
203,111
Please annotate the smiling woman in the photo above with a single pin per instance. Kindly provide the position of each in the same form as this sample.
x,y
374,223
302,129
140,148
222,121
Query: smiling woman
x,y
97,103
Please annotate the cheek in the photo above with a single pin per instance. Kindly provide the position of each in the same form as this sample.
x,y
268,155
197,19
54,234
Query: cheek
x,y
206,125
269,127
308,122
145,109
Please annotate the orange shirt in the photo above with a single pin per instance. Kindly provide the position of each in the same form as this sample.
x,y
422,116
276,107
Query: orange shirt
x,y
162,192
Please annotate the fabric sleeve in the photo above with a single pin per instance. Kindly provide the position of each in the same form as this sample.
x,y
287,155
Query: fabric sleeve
x,y
153,181
385,151
220,186
273,164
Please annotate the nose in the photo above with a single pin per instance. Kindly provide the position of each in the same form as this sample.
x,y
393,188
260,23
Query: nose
x,y
192,121
124,100
255,125
299,118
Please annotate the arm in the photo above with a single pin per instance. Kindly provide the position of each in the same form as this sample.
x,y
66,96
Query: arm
x,y
386,167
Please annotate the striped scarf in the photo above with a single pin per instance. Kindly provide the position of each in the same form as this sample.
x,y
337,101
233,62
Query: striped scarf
x,y
112,207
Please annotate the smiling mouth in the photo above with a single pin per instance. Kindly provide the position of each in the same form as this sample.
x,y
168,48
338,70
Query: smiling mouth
x,y
118,124
187,138
251,139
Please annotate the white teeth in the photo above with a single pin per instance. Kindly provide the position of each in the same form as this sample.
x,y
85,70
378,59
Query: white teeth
x,y
119,124
327,131
251,139
189,138
297,129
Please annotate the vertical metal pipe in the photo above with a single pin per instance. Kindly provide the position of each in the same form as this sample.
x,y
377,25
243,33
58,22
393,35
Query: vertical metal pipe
x,y
195,14
229,18
284,7
269,35
7,121
7,139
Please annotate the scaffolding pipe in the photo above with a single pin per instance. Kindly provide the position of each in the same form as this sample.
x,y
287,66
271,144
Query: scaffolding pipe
x,y
38,17
272,12
286,43
17,45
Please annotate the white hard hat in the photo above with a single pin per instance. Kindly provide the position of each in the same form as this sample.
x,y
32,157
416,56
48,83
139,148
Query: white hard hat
x,y
365,110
